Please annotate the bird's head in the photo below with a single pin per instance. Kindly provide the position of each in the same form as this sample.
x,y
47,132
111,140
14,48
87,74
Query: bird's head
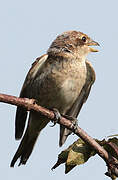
x,y
74,42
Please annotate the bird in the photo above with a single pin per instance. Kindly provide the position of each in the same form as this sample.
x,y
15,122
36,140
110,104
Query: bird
x,y
61,79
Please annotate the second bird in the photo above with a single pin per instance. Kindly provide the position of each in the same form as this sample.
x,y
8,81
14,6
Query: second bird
x,y
60,79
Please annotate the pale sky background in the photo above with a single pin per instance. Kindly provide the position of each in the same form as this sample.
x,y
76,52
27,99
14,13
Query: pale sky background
x,y
27,28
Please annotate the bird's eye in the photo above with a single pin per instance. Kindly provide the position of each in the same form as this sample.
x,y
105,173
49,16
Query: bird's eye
x,y
84,39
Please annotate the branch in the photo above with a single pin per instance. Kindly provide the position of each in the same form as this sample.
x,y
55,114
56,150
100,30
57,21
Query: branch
x,y
30,104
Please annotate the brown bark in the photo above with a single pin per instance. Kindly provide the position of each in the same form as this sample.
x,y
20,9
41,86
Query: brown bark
x,y
30,104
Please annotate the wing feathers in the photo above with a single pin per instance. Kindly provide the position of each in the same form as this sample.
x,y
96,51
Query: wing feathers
x,y
21,113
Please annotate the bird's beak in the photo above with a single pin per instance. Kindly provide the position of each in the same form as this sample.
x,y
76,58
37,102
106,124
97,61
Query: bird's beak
x,y
93,43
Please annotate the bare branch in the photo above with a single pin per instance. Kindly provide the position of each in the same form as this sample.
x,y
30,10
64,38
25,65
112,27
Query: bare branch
x,y
30,104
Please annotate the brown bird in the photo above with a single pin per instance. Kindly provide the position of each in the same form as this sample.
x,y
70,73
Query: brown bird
x,y
60,79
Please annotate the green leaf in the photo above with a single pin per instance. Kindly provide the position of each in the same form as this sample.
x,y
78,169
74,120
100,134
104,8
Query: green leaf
x,y
79,152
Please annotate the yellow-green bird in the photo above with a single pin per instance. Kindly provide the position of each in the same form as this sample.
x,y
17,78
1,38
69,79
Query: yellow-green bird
x,y
60,79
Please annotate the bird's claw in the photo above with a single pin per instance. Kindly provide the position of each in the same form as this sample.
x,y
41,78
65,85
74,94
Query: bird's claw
x,y
74,126
73,121
57,116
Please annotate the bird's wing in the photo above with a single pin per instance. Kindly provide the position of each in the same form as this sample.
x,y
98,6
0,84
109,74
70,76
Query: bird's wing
x,y
21,113
90,79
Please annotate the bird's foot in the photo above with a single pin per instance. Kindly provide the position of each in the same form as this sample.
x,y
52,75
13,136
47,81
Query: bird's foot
x,y
73,121
57,116
74,126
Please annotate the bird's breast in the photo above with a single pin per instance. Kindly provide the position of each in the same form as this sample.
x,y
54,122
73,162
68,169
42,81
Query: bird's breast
x,y
70,89
63,86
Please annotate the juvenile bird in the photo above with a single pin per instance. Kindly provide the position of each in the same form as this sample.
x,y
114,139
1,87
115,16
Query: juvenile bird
x,y
60,79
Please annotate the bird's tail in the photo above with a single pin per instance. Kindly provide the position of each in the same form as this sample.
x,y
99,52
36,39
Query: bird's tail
x,y
35,124
25,149
64,133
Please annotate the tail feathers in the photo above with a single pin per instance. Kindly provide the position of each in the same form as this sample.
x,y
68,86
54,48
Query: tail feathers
x,y
21,116
64,133
25,149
